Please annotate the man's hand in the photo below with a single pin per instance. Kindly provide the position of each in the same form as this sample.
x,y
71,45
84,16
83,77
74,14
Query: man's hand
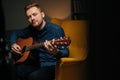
x,y
51,47
15,48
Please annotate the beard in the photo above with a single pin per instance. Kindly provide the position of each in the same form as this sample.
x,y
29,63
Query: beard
x,y
37,24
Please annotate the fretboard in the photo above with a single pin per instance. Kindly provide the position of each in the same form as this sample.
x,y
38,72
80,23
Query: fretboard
x,y
34,46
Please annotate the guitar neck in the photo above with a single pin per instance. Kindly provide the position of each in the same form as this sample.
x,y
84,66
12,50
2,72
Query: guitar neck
x,y
35,46
60,42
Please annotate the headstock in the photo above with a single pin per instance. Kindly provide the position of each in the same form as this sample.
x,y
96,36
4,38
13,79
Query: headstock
x,y
63,41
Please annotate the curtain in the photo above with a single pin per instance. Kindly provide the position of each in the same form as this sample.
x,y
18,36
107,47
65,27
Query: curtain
x,y
79,9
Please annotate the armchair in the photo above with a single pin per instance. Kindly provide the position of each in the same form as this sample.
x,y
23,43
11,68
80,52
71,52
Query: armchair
x,y
74,66
57,21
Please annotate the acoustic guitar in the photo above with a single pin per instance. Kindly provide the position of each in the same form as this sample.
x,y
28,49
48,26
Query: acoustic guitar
x,y
27,45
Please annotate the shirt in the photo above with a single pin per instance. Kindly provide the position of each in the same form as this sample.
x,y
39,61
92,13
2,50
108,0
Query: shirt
x,y
49,32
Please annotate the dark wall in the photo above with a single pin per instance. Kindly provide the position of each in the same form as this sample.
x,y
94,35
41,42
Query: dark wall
x,y
2,32
100,43
4,71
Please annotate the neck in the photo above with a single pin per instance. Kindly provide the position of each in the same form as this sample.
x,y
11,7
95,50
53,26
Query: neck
x,y
42,25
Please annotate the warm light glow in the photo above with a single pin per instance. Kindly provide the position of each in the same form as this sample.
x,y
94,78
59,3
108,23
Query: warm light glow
x,y
56,8
59,13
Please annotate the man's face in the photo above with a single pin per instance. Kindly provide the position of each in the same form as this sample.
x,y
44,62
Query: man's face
x,y
35,16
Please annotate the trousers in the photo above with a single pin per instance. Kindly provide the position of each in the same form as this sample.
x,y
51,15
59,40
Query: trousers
x,y
29,72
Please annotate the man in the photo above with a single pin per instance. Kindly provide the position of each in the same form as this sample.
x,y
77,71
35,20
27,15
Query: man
x,y
40,65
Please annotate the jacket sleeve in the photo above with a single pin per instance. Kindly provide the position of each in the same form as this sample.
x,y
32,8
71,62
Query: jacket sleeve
x,y
63,50
15,35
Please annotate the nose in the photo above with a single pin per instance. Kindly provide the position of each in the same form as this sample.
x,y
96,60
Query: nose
x,y
32,17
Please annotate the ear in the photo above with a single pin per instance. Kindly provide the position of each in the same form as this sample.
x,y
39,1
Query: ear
x,y
43,14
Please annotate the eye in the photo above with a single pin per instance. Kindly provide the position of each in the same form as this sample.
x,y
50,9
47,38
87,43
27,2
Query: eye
x,y
34,14
28,17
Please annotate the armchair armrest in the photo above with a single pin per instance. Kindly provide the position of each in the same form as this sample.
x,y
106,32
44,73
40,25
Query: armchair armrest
x,y
69,60
65,61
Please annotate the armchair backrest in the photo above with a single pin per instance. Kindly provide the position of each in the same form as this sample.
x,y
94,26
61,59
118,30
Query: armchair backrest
x,y
56,21
77,30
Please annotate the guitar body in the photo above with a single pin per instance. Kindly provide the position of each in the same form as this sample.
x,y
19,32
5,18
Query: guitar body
x,y
23,42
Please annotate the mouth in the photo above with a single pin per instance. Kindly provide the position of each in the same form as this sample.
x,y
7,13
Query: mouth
x,y
34,22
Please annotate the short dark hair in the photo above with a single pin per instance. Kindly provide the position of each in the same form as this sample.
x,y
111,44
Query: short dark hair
x,y
28,6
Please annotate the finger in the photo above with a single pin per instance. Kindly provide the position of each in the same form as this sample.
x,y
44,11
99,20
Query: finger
x,y
50,45
15,50
45,44
52,42
18,48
